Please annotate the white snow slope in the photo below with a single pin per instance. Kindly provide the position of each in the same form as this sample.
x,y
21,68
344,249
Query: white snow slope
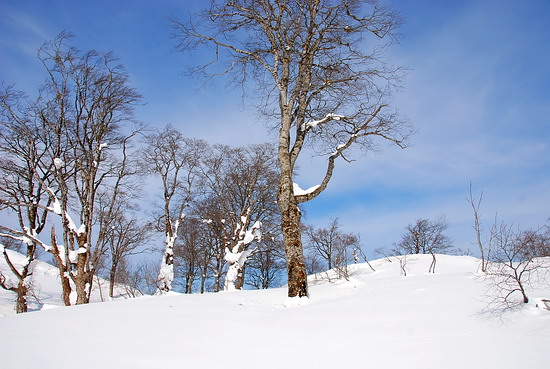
x,y
376,320
46,286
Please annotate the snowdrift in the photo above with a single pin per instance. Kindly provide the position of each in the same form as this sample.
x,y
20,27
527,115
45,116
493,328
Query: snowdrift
x,y
47,286
376,319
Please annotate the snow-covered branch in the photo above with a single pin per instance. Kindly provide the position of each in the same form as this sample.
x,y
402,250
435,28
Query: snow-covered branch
x,y
361,131
314,123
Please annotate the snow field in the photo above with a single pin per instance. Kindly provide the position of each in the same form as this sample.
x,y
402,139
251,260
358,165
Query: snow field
x,y
377,319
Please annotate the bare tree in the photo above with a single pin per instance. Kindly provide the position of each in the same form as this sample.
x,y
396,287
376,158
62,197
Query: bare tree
x,y
80,125
213,242
515,263
22,177
239,181
188,251
267,263
86,106
403,259
318,80
484,251
426,237
127,236
358,254
174,158
333,245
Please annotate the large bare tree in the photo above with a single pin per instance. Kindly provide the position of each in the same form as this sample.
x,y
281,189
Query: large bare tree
x,y
323,78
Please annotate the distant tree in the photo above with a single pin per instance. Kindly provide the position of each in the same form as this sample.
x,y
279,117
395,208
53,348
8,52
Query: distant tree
x,y
333,245
314,262
127,236
320,82
484,249
213,240
267,263
426,237
515,262
240,196
188,251
174,159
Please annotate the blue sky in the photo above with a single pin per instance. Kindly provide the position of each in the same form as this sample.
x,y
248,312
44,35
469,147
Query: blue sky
x,y
478,92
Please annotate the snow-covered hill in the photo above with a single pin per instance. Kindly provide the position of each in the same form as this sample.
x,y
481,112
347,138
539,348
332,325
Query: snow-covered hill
x,y
46,286
376,320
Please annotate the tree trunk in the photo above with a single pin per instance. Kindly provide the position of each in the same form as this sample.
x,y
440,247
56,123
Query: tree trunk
x,y
240,278
203,281
297,275
63,271
112,275
189,279
21,303
218,272
82,280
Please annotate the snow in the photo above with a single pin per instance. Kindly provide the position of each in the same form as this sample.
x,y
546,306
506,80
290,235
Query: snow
x,y
73,257
59,163
377,319
56,208
81,230
327,118
45,278
299,192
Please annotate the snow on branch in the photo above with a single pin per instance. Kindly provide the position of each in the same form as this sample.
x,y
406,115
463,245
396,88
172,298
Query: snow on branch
x,y
57,209
361,131
299,192
314,123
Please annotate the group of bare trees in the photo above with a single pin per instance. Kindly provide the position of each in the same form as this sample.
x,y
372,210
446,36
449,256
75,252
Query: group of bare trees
x,y
66,165
323,82
227,219
511,258
72,173
336,248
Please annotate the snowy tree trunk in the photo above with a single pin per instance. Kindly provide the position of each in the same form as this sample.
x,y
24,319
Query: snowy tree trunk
x,y
22,288
166,272
239,254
